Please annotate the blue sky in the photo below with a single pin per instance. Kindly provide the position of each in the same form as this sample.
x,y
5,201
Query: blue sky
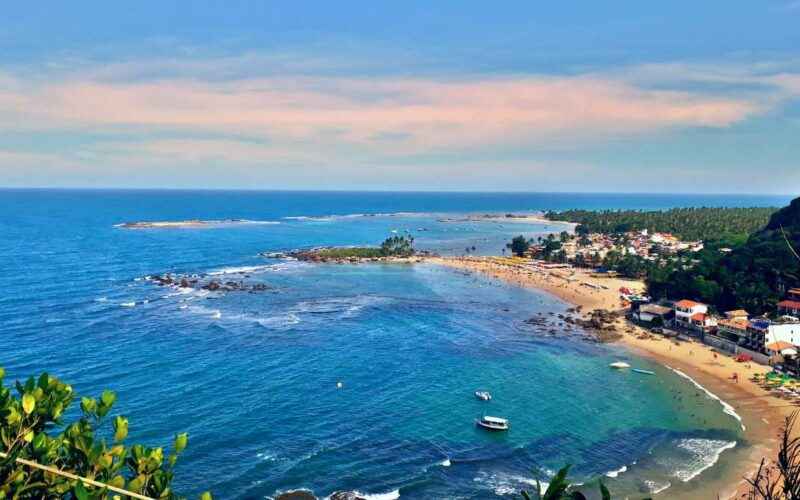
x,y
532,96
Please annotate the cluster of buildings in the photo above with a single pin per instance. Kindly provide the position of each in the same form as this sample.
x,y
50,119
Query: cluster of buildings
x,y
760,335
594,247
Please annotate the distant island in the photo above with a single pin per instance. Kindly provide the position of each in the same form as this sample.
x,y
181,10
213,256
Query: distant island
x,y
191,223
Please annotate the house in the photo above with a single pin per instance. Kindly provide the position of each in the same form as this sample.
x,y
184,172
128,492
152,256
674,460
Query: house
x,y
733,328
790,307
762,332
781,347
686,309
793,294
703,322
649,313
784,332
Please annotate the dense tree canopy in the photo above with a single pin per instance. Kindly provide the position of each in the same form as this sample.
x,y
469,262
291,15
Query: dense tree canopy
x,y
752,276
721,224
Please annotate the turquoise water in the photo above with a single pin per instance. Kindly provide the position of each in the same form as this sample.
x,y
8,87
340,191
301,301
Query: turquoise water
x,y
252,375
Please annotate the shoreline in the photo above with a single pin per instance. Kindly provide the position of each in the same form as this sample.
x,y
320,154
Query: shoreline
x,y
761,414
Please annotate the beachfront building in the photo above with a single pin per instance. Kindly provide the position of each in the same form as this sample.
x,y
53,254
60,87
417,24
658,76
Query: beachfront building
x,y
688,311
788,331
703,322
789,307
653,314
733,328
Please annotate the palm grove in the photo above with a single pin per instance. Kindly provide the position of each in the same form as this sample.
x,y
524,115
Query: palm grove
x,y
747,260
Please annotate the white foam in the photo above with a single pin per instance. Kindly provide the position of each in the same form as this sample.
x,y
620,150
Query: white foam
x,y
617,472
727,408
128,304
656,488
705,453
240,270
391,495
508,484
101,299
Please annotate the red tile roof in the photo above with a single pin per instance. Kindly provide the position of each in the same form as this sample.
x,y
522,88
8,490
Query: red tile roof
x,y
699,317
779,346
687,304
789,304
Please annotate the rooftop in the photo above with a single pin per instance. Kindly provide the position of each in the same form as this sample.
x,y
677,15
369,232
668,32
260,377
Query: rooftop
x,y
779,346
655,309
687,304
737,323
789,304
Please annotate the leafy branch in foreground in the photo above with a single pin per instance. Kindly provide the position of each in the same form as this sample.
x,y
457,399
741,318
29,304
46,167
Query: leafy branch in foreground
x,y
558,489
35,462
781,480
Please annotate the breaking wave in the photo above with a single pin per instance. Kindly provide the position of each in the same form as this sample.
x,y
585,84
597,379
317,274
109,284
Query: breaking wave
x,y
695,456
727,408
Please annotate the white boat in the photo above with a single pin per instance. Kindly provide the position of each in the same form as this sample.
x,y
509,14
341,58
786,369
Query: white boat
x,y
619,365
493,423
483,395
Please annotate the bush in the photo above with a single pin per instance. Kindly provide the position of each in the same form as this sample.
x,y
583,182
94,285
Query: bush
x,y
27,435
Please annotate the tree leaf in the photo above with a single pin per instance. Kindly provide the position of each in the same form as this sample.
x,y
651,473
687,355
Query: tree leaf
x,y
120,428
80,491
604,491
28,403
206,495
108,398
181,440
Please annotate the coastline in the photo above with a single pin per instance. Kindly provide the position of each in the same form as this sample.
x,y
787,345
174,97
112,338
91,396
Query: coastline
x,y
761,414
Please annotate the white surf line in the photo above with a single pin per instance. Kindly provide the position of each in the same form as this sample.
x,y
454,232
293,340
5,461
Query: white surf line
x,y
726,407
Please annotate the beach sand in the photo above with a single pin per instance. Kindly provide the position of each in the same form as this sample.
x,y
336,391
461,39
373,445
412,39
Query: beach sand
x,y
762,414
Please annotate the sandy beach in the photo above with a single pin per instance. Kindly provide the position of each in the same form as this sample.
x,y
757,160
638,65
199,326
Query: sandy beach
x,y
761,413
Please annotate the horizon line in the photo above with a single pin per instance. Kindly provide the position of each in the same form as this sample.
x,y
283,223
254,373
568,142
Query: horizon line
x,y
406,191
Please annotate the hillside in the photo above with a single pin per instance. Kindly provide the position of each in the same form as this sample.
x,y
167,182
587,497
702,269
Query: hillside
x,y
752,276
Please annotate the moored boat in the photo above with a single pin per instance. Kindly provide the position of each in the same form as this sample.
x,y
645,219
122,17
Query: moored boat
x,y
492,423
619,365
643,372
483,395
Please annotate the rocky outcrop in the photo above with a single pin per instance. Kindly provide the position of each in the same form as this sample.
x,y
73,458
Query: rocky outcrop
x,y
203,282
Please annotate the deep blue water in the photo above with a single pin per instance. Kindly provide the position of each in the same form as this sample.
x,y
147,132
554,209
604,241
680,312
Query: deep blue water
x,y
253,376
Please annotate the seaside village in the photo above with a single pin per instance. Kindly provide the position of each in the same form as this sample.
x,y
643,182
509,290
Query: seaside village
x,y
772,341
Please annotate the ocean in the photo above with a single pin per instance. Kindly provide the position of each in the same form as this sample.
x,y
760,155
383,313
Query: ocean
x,y
339,377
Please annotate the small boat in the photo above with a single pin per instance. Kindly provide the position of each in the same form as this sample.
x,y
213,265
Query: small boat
x,y
483,395
619,365
493,423
644,372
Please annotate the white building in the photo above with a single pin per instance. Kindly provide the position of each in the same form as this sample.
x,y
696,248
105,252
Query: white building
x,y
783,332
685,310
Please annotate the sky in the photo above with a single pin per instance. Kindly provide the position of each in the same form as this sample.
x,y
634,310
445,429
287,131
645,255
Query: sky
x,y
611,96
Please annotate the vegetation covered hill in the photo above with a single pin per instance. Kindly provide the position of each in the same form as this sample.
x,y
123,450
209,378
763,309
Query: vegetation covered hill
x,y
732,225
753,276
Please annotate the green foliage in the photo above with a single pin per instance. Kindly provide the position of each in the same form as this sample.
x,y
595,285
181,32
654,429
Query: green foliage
x,y
728,225
750,277
348,252
398,246
519,245
394,246
559,489
28,423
